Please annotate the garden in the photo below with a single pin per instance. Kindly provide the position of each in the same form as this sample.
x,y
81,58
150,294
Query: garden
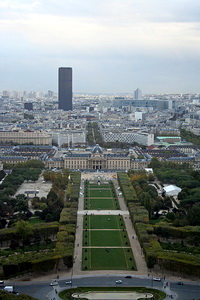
x,y
105,243
109,258
100,197
103,222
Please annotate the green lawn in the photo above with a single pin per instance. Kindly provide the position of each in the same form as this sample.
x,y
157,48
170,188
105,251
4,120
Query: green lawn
x,y
103,222
103,193
108,259
35,220
99,186
105,204
100,197
105,238
105,232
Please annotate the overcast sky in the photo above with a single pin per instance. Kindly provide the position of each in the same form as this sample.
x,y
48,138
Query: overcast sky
x,y
113,46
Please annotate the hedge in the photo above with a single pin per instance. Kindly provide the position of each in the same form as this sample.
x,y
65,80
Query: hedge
x,y
20,263
180,262
165,230
44,229
68,218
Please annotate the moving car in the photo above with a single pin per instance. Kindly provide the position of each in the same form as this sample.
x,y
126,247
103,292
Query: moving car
x,y
179,283
118,281
68,282
156,278
54,282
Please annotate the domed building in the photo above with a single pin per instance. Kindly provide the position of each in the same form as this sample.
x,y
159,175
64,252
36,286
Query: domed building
x,y
97,159
97,149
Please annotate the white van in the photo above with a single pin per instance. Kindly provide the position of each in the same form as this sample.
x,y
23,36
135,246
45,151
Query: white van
x,y
9,288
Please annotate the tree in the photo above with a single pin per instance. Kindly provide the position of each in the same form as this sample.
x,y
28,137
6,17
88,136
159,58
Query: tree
x,y
24,230
155,163
170,216
193,215
151,177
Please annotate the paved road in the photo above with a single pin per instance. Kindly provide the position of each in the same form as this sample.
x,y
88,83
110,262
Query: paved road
x,y
42,290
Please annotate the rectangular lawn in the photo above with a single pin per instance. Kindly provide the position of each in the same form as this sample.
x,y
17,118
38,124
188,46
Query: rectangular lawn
x,y
108,259
102,204
103,193
115,238
105,243
103,222
97,186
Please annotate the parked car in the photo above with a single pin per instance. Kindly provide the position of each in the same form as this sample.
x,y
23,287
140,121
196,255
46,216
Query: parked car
x,y
180,283
156,278
128,276
118,281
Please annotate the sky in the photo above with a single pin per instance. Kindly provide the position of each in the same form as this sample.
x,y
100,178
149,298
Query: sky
x,y
113,46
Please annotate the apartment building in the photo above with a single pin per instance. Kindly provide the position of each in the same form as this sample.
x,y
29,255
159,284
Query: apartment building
x,y
142,138
25,137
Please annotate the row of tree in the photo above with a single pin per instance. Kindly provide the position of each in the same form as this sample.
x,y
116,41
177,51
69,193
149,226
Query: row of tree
x,y
147,235
190,136
35,234
94,136
68,219
90,134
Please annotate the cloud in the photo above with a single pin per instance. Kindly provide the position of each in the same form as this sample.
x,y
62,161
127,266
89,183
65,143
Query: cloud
x,y
128,35
87,35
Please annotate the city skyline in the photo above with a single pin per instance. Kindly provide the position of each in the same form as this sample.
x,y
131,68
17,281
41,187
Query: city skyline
x,y
113,47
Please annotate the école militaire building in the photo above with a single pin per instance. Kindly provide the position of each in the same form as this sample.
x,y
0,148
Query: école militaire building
x,y
97,159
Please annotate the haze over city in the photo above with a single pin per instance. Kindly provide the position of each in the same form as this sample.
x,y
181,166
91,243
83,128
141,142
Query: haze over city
x,y
112,46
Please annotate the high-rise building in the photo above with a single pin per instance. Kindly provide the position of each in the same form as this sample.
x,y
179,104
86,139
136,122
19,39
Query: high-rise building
x,y
50,94
28,105
138,94
65,88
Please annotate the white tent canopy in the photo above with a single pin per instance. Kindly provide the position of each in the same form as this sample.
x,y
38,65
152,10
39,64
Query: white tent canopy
x,y
172,190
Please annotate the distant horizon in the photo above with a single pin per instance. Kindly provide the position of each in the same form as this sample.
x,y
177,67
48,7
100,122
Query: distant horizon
x,y
96,93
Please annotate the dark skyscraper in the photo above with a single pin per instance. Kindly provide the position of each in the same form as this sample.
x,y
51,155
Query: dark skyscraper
x,y
65,88
28,105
